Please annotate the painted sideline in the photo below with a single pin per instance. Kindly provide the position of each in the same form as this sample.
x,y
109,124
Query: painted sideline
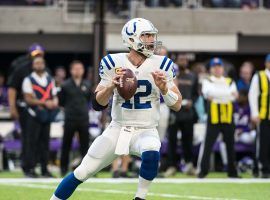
x,y
165,196
135,180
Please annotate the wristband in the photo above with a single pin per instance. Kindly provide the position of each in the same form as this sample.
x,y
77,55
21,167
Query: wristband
x,y
96,106
170,98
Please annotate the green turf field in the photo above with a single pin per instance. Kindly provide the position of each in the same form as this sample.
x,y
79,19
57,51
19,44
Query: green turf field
x,y
217,187
93,191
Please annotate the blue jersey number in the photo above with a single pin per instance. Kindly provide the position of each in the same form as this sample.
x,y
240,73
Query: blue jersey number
x,y
138,95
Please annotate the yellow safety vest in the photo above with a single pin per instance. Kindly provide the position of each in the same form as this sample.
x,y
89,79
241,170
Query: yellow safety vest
x,y
264,96
221,113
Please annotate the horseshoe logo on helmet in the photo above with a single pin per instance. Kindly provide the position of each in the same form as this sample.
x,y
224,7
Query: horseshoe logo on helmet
x,y
134,29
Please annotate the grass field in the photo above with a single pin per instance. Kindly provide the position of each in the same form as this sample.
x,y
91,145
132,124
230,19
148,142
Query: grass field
x,y
215,188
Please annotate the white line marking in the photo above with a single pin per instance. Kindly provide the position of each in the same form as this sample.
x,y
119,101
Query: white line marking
x,y
173,196
135,180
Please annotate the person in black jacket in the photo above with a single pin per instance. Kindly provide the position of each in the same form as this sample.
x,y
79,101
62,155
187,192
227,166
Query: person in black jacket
x,y
184,119
74,98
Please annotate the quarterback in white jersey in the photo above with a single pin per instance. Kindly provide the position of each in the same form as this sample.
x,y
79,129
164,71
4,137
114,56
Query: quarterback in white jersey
x,y
143,109
133,126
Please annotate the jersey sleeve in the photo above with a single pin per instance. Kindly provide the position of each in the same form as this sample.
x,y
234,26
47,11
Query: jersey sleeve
x,y
27,86
253,95
106,70
167,66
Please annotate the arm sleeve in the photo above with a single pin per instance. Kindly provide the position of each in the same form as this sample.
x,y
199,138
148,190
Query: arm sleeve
x,y
253,96
27,86
233,89
220,95
14,80
205,88
106,71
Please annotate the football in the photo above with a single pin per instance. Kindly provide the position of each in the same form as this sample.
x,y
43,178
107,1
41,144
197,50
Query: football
x,y
128,85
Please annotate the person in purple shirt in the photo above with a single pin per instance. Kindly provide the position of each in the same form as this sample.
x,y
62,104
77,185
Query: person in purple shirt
x,y
243,130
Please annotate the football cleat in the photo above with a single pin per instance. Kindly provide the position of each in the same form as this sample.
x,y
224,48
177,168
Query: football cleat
x,y
137,198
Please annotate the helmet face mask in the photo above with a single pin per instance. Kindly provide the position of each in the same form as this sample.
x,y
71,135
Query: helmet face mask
x,y
149,44
140,35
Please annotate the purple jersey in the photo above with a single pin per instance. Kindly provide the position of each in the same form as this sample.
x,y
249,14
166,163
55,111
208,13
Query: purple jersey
x,y
242,117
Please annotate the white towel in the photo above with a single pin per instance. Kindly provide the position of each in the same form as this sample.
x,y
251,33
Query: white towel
x,y
122,147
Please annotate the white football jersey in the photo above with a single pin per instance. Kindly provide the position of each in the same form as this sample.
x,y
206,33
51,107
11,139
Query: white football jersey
x,y
142,110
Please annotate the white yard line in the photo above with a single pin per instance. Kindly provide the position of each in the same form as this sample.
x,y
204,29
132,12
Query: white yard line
x,y
172,196
135,180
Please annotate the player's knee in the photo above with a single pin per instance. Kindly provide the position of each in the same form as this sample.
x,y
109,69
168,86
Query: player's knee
x,y
85,170
81,173
149,167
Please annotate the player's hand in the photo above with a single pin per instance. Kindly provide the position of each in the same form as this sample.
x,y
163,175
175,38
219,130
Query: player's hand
x,y
210,98
235,94
116,79
50,104
14,112
255,120
160,81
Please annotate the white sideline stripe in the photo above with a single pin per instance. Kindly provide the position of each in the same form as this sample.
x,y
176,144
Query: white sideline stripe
x,y
173,196
135,180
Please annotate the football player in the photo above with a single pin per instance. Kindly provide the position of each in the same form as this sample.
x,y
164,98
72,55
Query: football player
x,y
133,126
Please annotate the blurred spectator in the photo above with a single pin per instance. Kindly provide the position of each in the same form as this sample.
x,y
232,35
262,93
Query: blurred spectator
x,y
97,119
13,2
59,75
74,97
267,3
219,92
226,3
41,2
260,115
120,167
90,77
200,70
163,3
36,2
243,130
40,97
246,71
119,7
249,4
3,92
244,4
96,122
21,67
184,120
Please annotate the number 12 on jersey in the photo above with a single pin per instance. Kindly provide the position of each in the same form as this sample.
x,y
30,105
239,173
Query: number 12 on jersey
x,y
137,102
